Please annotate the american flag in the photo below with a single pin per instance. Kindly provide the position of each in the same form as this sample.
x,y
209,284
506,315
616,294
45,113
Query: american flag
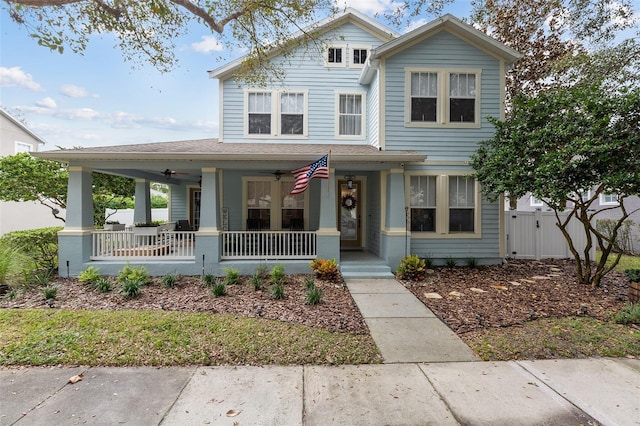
x,y
318,169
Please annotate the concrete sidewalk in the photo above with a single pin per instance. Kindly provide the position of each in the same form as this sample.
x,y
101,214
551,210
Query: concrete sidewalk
x,y
553,392
404,329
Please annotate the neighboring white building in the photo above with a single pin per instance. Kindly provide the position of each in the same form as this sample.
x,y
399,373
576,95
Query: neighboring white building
x,y
15,137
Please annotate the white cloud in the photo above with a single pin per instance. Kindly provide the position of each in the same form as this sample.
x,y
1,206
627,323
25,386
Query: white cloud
x,y
369,6
73,91
415,24
207,45
47,103
15,77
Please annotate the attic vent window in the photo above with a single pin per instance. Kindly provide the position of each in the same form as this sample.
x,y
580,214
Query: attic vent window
x,y
335,55
359,56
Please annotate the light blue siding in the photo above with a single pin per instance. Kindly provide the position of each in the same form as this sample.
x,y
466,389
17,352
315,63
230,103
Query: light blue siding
x,y
443,50
305,70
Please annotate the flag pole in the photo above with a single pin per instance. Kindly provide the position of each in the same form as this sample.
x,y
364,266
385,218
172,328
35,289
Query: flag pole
x,y
329,169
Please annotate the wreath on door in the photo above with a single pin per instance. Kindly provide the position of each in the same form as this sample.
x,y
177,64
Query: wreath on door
x,y
349,202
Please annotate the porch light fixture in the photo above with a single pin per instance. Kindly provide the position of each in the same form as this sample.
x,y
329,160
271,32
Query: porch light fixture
x,y
350,179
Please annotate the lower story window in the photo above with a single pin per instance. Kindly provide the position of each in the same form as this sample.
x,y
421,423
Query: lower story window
x,y
443,205
270,205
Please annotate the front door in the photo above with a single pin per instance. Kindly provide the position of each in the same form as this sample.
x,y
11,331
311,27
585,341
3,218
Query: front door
x,y
349,207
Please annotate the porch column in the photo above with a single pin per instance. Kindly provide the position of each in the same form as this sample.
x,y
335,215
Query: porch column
x,y
328,236
74,241
395,240
142,206
208,235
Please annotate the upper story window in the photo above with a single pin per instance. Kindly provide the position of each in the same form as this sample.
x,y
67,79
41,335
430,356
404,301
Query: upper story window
x,y
259,113
23,147
535,202
276,113
350,115
335,56
292,113
442,97
359,56
610,199
424,96
462,97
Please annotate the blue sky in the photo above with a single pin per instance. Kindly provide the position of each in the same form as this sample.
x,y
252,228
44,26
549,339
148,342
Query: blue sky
x,y
98,99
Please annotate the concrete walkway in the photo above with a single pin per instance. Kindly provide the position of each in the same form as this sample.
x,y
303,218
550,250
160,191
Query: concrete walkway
x,y
554,392
404,329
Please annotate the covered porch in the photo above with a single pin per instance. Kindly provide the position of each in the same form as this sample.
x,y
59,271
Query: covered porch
x,y
222,191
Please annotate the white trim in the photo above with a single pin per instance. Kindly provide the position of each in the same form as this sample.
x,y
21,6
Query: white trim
x,y
220,111
443,97
351,48
276,114
343,48
442,205
382,110
603,202
363,126
275,219
28,146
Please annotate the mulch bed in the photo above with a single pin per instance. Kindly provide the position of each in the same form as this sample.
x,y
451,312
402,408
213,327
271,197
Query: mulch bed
x,y
336,313
516,292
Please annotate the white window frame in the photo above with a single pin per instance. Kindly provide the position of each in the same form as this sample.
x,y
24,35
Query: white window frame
x,y
351,49
535,202
363,129
276,201
607,202
442,206
23,147
276,114
342,64
443,97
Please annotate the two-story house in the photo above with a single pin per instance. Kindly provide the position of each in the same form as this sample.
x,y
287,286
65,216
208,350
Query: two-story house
x,y
16,138
397,116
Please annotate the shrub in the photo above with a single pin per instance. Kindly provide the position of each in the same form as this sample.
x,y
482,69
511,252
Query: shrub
x,y
472,262
326,269
10,261
90,275
138,273
451,262
219,288
314,295
41,245
209,280
309,283
50,292
103,285
262,271
624,238
169,280
278,274
632,274
428,262
232,276
39,277
131,287
412,268
278,291
630,314
256,281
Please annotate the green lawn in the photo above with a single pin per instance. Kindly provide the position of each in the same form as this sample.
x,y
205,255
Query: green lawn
x,y
626,262
126,338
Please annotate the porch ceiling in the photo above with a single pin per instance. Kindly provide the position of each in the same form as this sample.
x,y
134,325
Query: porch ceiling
x,y
150,160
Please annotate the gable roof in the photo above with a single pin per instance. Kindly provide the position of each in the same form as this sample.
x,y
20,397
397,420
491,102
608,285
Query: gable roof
x,y
323,26
454,25
21,126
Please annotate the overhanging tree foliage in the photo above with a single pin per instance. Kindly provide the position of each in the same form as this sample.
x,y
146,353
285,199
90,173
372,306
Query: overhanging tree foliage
x,y
557,144
27,178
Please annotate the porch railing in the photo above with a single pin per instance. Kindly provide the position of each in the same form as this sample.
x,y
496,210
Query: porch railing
x,y
121,245
268,245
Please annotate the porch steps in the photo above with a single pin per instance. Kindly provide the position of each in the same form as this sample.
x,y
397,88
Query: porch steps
x,y
365,269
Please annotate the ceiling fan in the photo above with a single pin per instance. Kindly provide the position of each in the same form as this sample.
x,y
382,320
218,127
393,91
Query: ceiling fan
x,y
168,173
278,174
